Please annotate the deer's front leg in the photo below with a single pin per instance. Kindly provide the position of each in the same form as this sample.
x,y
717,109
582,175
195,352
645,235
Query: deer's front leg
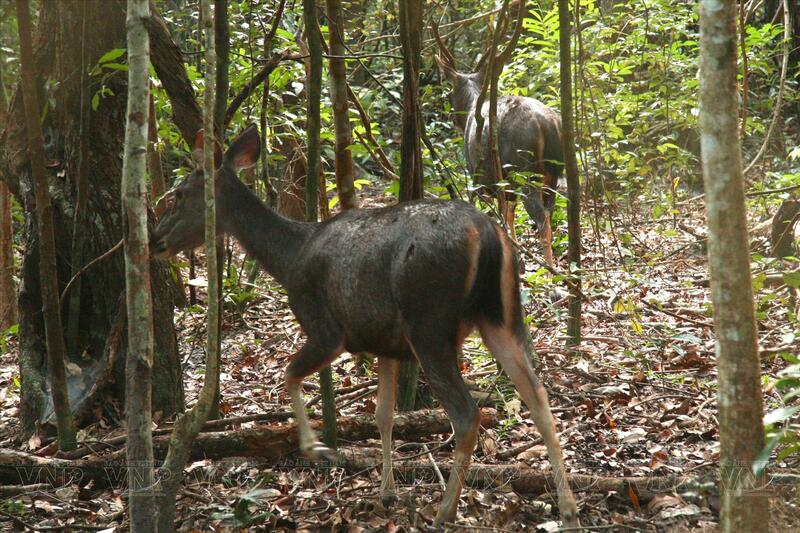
x,y
384,418
311,357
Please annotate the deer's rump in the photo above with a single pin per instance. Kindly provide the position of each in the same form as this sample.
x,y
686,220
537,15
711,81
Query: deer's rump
x,y
528,141
376,272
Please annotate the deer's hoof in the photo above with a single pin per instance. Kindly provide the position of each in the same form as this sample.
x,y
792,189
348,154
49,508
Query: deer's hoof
x,y
569,514
319,452
570,519
389,499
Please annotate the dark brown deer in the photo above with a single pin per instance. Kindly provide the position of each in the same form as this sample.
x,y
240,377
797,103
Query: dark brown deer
x,y
407,281
528,139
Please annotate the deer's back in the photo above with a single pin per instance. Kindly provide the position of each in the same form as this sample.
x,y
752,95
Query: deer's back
x,y
528,133
373,271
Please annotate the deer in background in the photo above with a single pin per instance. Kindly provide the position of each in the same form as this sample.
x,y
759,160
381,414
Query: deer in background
x,y
407,281
529,141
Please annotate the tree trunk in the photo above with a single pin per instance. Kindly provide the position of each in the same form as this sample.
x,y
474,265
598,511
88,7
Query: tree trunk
x,y
188,425
223,45
411,185
573,182
8,291
744,506
48,269
314,93
782,231
139,364
339,101
60,52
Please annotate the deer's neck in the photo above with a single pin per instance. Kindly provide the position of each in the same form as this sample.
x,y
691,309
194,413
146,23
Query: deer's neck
x,y
464,98
273,240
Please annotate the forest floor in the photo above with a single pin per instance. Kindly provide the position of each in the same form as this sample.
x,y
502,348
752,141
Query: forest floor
x,y
636,398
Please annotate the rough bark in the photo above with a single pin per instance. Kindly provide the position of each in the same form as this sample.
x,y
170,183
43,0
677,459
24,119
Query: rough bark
x,y
743,507
411,184
782,231
139,364
314,95
223,45
571,170
188,425
168,64
48,269
8,290
339,101
102,339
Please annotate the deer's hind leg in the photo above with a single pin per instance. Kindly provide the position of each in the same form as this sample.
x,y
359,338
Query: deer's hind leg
x,y
384,418
507,205
510,351
325,343
434,345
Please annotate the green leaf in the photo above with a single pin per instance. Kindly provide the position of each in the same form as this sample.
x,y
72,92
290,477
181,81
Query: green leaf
x,y
116,66
111,55
792,279
779,415
763,458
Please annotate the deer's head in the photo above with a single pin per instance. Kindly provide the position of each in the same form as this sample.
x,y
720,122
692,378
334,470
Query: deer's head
x,y
466,86
182,226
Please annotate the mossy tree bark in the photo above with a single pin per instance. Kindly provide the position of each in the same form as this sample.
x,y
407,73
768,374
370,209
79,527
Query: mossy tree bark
x,y
59,53
744,503
48,270
139,303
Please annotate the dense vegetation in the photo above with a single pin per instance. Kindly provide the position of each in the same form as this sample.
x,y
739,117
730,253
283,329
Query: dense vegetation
x,y
636,106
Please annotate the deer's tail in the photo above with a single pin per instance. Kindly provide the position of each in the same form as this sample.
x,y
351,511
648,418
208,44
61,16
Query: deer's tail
x,y
494,296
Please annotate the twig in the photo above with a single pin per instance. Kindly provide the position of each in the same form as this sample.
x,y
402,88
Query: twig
x,y
273,61
13,490
468,527
772,191
701,323
435,467
357,397
345,390
86,267
504,455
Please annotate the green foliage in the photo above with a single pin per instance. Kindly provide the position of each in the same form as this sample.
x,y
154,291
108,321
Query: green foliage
x,y
105,68
240,516
6,335
782,424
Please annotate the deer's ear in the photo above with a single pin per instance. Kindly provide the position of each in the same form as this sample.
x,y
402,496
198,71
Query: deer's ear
x,y
448,71
197,150
244,151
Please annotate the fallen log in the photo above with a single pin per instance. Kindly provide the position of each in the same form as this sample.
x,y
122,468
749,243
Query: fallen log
x,y
12,490
525,479
272,443
519,477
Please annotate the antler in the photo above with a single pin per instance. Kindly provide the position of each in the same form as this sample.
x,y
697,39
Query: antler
x,y
445,54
